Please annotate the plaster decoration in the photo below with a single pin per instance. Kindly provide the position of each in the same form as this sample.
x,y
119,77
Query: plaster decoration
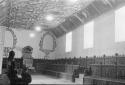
x,y
3,10
47,51
3,3
27,13
14,37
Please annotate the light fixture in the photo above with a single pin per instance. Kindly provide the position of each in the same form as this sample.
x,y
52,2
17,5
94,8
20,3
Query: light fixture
x,y
49,17
38,28
32,35
70,2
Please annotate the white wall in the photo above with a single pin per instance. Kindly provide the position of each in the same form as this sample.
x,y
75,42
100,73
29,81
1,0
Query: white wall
x,y
60,49
104,39
23,39
2,32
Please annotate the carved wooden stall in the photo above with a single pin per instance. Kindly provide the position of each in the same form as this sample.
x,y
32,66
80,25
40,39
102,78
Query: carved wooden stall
x,y
110,70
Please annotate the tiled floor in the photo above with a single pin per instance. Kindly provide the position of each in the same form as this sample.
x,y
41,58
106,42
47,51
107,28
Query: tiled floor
x,y
42,79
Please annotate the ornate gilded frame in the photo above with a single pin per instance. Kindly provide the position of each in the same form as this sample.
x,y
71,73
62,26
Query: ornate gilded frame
x,y
14,37
46,51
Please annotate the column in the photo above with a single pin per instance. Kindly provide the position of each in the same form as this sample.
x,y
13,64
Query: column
x,y
2,36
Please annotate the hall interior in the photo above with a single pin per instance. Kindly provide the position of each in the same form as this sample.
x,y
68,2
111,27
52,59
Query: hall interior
x,y
65,41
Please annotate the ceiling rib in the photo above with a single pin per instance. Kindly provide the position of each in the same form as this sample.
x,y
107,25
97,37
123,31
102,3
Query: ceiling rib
x,y
76,22
63,28
95,8
81,20
68,24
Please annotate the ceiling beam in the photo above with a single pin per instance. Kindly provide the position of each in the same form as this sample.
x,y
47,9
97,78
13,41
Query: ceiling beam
x,y
81,20
95,8
63,28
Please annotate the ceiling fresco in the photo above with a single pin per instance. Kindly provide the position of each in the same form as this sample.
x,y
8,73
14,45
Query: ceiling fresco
x,y
57,16
28,13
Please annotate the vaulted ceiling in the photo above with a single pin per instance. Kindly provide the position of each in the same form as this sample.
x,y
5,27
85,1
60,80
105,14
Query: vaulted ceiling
x,y
67,15
28,13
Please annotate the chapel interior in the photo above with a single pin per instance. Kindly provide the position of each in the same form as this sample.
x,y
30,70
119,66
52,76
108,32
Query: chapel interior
x,y
71,42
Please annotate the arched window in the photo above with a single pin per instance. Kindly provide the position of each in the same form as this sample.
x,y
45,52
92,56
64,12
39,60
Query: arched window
x,y
120,25
88,35
68,42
